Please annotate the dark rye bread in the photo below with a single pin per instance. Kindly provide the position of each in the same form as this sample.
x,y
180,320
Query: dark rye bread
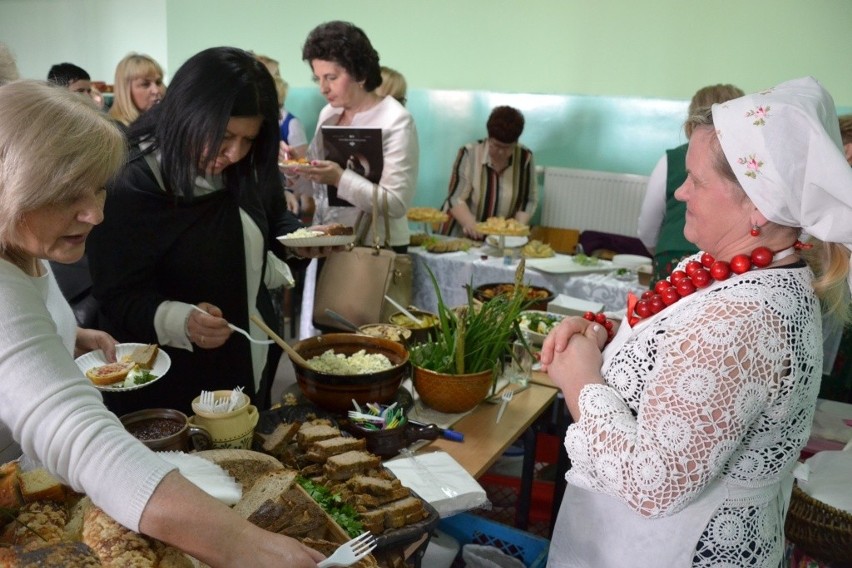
x,y
310,433
345,465
324,449
267,487
275,443
394,515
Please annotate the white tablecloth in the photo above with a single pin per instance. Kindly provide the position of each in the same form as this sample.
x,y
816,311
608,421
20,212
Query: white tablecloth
x,y
455,270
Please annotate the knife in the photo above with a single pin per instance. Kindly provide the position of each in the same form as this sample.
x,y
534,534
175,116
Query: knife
x,y
445,432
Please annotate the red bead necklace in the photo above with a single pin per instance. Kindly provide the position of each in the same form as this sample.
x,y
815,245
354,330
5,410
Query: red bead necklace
x,y
697,275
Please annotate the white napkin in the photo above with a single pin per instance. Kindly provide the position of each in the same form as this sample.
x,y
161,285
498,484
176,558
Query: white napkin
x,y
828,479
206,475
440,481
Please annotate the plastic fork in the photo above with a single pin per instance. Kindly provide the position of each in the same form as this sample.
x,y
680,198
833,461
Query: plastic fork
x,y
506,398
241,331
350,552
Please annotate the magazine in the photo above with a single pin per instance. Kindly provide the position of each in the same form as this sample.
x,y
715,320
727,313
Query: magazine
x,y
356,149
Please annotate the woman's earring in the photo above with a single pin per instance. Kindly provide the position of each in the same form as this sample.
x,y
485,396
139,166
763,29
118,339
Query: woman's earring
x,y
755,231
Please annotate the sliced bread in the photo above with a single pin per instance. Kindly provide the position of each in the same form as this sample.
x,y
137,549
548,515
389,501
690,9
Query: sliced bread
x,y
347,464
268,487
38,484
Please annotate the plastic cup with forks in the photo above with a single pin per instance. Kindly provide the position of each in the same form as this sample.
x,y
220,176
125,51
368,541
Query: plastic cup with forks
x,y
232,428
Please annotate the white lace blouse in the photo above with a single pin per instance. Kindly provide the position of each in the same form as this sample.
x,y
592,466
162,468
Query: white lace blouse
x,y
719,388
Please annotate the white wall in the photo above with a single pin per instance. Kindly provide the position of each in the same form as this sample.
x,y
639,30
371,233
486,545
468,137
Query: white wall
x,y
94,34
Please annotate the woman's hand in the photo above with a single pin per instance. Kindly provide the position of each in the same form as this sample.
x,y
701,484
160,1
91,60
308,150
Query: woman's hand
x,y
578,362
292,202
207,330
91,339
558,338
323,171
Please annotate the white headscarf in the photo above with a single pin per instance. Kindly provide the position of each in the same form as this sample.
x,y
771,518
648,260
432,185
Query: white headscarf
x,y
785,148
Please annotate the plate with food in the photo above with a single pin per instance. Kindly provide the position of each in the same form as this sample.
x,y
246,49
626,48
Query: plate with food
x,y
426,215
137,365
567,264
501,226
509,241
330,236
294,163
536,324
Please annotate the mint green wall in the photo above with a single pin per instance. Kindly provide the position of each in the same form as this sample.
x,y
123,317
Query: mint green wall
x,y
610,79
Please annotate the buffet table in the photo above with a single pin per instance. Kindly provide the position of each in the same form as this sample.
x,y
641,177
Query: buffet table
x,y
455,270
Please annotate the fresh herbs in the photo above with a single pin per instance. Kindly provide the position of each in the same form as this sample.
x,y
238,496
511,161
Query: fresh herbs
x,y
584,260
332,503
476,337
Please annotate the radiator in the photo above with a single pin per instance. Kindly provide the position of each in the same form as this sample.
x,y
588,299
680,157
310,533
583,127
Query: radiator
x,y
592,200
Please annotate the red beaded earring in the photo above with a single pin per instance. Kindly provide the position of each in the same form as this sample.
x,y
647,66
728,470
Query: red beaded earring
x,y
755,231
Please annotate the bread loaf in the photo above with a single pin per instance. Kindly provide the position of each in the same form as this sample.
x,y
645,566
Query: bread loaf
x,y
268,487
37,524
65,554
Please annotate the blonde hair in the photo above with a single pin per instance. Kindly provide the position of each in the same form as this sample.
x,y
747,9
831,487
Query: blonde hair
x,y
8,69
133,66
829,261
281,86
393,84
54,146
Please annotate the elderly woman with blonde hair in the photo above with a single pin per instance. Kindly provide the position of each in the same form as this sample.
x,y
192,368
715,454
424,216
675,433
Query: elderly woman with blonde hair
x,y
138,87
58,153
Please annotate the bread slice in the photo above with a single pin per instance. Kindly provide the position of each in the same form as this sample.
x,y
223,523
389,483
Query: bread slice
x,y
309,433
268,487
145,356
324,449
345,465
338,229
245,466
110,373
276,442
39,484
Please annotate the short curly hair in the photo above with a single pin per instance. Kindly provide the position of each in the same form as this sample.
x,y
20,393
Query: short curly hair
x,y
347,45
506,124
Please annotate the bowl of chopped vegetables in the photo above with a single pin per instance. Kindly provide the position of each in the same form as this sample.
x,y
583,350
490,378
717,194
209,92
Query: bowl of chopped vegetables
x,y
536,324
347,366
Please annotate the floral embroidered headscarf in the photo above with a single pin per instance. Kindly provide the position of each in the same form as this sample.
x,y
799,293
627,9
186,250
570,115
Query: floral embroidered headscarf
x,y
784,147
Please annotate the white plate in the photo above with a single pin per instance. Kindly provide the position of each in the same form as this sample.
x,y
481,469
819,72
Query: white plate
x,y
564,264
630,261
96,358
323,241
511,242
535,337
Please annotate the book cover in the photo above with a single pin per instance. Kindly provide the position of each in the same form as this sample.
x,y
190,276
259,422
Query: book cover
x,y
354,148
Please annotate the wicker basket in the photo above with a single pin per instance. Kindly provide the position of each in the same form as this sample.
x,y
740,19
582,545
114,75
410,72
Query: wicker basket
x,y
819,529
452,393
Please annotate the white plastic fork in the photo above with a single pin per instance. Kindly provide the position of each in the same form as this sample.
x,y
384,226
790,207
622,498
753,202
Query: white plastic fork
x,y
350,552
506,398
241,331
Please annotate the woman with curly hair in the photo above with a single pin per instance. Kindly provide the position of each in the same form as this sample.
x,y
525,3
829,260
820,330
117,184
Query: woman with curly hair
x,y
346,68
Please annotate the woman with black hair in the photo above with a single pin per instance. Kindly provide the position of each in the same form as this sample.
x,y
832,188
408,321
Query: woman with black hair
x,y
346,68
188,223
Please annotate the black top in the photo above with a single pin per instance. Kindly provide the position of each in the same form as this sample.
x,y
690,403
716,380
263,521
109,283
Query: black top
x,y
153,247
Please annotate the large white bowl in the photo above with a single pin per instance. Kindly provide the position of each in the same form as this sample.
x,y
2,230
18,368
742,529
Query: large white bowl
x,y
630,261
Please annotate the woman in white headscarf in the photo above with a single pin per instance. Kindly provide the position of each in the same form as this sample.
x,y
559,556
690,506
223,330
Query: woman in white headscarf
x,y
688,424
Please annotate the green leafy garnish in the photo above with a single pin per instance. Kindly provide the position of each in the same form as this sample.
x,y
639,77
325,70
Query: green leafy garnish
x,y
143,376
584,260
332,503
